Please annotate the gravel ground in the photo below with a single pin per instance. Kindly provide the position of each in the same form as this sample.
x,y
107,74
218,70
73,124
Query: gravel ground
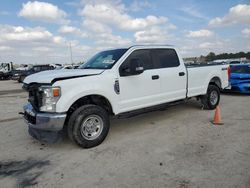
x,y
178,147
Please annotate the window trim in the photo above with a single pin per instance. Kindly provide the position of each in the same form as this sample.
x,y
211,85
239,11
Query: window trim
x,y
132,49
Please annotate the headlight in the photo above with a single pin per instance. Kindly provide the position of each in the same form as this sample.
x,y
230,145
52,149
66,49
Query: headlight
x,y
50,96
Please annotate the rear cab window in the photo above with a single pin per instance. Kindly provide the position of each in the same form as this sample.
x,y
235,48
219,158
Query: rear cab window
x,y
165,58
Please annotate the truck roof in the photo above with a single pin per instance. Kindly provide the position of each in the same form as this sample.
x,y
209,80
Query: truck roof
x,y
145,46
151,45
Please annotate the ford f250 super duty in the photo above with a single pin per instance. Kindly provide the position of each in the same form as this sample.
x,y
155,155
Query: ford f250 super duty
x,y
114,82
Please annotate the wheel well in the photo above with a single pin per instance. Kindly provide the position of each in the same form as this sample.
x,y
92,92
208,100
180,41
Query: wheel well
x,y
90,99
215,81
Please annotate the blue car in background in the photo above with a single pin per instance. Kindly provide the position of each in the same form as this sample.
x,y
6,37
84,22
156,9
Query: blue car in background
x,y
240,78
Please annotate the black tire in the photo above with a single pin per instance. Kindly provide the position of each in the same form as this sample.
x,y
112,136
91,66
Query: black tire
x,y
207,100
76,125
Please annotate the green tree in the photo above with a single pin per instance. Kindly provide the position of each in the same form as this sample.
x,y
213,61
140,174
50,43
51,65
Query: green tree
x,y
211,56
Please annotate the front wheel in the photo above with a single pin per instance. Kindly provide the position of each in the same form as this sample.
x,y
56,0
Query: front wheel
x,y
89,125
212,97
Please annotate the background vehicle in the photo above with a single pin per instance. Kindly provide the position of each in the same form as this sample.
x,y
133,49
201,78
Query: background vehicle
x,y
56,66
33,70
234,62
75,66
115,82
70,67
23,67
5,70
15,74
67,67
240,78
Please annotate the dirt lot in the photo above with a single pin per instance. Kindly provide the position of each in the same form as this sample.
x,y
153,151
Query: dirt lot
x,y
178,147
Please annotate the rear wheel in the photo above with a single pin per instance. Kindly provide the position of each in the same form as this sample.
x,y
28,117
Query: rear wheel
x,y
212,98
88,126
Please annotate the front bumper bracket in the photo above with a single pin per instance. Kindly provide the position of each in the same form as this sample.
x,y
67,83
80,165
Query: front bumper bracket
x,y
45,127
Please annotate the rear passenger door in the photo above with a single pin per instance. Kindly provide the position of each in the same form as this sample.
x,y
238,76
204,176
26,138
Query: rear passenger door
x,y
172,74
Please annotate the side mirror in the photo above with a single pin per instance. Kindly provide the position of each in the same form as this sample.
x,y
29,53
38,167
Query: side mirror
x,y
135,67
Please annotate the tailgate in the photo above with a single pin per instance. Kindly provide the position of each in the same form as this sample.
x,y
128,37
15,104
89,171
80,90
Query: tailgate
x,y
225,76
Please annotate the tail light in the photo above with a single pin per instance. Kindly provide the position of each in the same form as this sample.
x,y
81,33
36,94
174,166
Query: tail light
x,y
228,72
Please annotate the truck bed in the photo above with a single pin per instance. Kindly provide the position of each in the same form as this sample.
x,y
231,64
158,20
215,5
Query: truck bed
x,y
203,64
199,75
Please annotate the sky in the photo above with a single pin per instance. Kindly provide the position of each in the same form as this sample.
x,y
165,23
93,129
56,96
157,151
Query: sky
x,y
39,32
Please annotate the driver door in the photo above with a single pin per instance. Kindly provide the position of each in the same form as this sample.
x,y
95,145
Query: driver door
x,y
140,90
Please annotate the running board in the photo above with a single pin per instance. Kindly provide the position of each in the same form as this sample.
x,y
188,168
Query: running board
x,y
160,107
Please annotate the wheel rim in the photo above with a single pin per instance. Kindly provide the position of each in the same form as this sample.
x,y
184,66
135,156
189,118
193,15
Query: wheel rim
x,y
92,127
214,97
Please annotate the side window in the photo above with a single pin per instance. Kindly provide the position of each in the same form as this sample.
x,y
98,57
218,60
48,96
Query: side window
x,y
143,56
164,58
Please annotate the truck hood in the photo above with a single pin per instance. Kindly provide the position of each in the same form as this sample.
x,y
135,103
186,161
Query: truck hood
x,y
51,76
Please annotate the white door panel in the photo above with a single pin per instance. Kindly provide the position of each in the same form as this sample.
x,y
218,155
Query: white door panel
x,y
172,74
139,90
173,86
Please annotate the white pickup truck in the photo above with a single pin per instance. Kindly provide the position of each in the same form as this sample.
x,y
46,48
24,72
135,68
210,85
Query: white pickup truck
x,y
114,82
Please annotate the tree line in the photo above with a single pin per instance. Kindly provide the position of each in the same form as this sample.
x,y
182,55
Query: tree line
x,y
212,56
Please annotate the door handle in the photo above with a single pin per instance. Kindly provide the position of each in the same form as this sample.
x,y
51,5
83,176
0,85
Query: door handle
x,y
181,73
155,77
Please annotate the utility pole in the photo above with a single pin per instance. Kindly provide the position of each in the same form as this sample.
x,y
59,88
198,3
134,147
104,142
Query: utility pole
x,y
71,58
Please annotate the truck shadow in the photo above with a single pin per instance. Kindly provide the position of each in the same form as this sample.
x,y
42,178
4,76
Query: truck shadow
x,y
153,117
232,93
25,172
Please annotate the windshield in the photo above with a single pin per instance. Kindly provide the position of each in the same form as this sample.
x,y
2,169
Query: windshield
x,y
241,69
104,60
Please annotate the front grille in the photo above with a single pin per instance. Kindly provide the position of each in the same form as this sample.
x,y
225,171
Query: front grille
x,y
30,118
35,96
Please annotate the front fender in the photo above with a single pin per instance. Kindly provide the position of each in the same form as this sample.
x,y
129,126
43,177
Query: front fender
x,y
72,90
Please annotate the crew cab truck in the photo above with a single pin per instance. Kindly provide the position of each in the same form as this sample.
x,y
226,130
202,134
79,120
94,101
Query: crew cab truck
x,y
114,82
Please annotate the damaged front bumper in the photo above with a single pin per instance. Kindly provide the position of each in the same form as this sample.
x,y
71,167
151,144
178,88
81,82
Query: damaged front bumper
x,y
46,127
